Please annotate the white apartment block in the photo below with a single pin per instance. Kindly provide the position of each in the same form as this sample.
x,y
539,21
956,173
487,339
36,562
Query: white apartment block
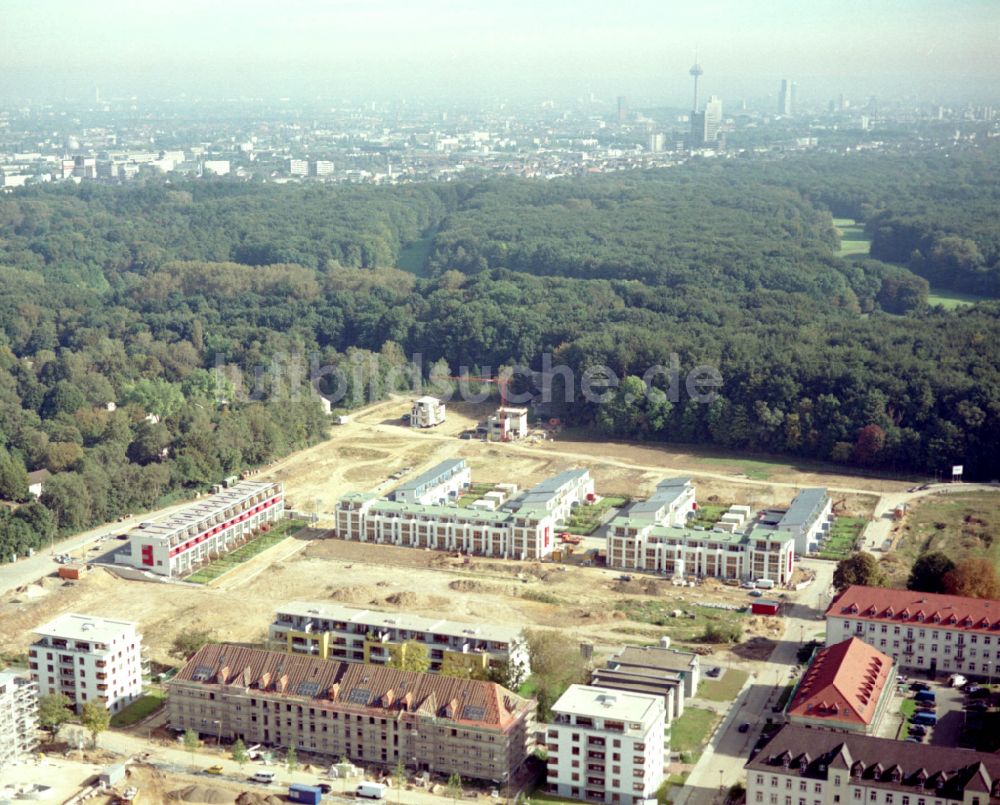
x,y
426,412
297,167
437,485
651,536
679,552
219,167
936,633
18,717
88,659
522,529
353,634
807,519
805,766
322,167
204,530
606,745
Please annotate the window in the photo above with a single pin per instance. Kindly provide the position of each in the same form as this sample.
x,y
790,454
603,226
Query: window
x,y
818,788
873,795
802,785
759,797
760,779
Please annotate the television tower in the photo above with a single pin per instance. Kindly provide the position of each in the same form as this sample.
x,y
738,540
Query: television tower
x,y
695,71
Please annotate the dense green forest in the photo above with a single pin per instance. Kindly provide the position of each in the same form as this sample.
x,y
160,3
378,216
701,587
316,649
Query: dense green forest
x,y
135,295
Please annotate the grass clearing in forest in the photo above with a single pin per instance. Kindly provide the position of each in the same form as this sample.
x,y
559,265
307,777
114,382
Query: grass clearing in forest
x,y
950,300
853,239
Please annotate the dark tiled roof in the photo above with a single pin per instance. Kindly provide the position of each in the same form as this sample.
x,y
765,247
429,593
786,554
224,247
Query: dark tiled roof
x,y
939,771
907,606
352,685
663,659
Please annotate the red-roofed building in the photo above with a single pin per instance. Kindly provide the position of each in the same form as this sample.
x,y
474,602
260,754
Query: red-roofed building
x,y
846,687
937,633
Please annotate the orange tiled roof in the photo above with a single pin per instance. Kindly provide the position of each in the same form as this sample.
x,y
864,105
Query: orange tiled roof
x,y
354,686
907,606
843,683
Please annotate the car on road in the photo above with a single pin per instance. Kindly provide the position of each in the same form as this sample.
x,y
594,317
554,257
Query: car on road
x,y
756,593
216,769
744,727
122,536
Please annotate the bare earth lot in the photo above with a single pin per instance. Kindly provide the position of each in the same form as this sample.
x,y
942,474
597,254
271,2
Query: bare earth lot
x,y
360,456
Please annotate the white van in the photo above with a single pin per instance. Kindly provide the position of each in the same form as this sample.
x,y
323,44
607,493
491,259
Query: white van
x,y
262,777
765,584
370,790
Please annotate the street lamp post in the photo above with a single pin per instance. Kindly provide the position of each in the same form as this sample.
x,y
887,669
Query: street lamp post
x,y
218,732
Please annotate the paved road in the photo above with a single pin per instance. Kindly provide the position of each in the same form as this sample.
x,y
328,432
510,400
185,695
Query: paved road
x,y
30,569
721,764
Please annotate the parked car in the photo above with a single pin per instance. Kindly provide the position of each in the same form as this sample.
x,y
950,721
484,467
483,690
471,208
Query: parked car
x,y
915,739
216,769
982,693
972,687
757,593
957,680
920,686
714,671
918,729
326,788
978,704
744,727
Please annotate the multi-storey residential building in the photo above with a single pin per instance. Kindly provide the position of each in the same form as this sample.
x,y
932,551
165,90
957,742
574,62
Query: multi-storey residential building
x,y
654,670
297,167
638,544
371,715
352,634
806,519
204,530
804,766
672,503
18,717
426,412
606,745
935,633
88,659
437,485
523,529
848,686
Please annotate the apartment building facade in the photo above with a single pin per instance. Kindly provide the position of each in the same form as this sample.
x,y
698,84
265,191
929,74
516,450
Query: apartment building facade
x,y
805,766
18,717
677,552
524,528
437,485
370,715
88,659
655,670
354,634
426,412
922,631
806,519
606,745
205,530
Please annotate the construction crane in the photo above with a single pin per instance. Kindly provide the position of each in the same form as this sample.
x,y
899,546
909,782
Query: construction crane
x,y
502,381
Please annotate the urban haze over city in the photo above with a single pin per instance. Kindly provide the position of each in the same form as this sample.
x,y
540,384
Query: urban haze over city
x,y
539,402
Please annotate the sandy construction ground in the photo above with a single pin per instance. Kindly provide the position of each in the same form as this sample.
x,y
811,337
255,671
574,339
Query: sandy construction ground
x,y
360,456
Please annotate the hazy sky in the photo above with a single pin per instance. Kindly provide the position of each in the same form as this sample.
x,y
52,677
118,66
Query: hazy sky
x,y
520,49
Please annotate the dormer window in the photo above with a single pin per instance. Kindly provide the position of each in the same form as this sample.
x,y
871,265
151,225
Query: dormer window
x,y
853,609
889,612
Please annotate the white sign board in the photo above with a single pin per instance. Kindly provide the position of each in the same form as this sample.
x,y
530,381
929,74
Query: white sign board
x,y
956,470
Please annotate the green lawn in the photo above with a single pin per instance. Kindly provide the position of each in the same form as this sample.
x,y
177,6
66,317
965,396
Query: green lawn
x,y
474,492
853,239
261,543
151,701
952,299
907,707
723,689
844,534
585,519
708,515
690,732
528,687
660,613
413,256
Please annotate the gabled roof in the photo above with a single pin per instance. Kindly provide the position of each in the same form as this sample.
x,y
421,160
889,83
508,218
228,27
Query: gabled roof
x,y
360,688
843,683
880,762
907,606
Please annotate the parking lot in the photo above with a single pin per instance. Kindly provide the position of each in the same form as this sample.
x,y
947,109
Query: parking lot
x,y
949,706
